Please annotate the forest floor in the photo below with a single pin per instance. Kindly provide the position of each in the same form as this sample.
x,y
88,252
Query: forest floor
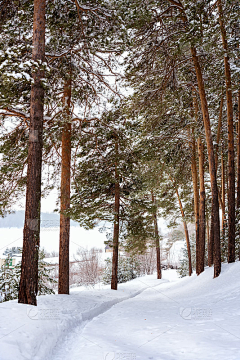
x,y
168,319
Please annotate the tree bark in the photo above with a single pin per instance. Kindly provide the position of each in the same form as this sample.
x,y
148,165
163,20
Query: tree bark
x,y
231,165
223,193
211,237
238,155
208,231
196,200
114,281
212,169
63,279
28,287
211,241
219,132
238,161
157,242
202,223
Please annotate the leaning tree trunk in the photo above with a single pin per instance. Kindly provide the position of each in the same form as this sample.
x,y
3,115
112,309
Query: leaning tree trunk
x,y
114,280
212,169
231,165
28,287
202,223
63,277
157,242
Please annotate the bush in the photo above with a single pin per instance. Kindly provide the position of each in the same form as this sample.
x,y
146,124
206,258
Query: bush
x,y
183,269
128,269
87,268
10,279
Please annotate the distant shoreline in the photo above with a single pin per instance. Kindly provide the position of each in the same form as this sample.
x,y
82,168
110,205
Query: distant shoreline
x,y
16,220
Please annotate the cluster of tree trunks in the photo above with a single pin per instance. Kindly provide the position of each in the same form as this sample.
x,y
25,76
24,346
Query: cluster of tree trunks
x,y
29,272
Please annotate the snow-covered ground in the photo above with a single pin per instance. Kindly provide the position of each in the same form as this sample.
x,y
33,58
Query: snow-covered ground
x,y
169,319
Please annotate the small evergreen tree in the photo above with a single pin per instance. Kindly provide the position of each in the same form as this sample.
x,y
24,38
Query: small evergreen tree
x,y
128,269
9,281
183,269
44,278
10,278
224,238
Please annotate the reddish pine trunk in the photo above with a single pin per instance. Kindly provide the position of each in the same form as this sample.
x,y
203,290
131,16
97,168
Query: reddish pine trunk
x,y
28,287
231,165
157,242
196,199
202,224
223,192
219,131
63,282
211,241
238,155
211,237
238,160
212,169
114,281
208,231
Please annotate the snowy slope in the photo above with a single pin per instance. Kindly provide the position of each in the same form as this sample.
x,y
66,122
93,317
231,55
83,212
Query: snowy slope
x,y
190,318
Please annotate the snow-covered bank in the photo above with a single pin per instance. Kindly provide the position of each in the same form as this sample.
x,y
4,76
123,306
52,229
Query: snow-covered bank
x,y
191,318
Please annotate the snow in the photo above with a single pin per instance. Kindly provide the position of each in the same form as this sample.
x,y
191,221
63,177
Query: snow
x,y
169,319
49,238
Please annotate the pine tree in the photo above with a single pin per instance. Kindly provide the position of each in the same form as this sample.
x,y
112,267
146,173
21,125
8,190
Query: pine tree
x,y
28,287
183,269
128,269
184,36
107,185
10,278
9,281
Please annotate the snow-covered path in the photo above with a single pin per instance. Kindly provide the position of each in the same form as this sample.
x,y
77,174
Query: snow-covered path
x,y
196,318
181,319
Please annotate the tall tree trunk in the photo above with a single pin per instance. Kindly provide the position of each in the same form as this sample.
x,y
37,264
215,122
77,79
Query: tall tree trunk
x,y
202,224
238,155
28,287
196,199
238,164
211,237
211,240
219,131
63,278
114,281
157,242
223,193
208,232
186,234
231,165
212,169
